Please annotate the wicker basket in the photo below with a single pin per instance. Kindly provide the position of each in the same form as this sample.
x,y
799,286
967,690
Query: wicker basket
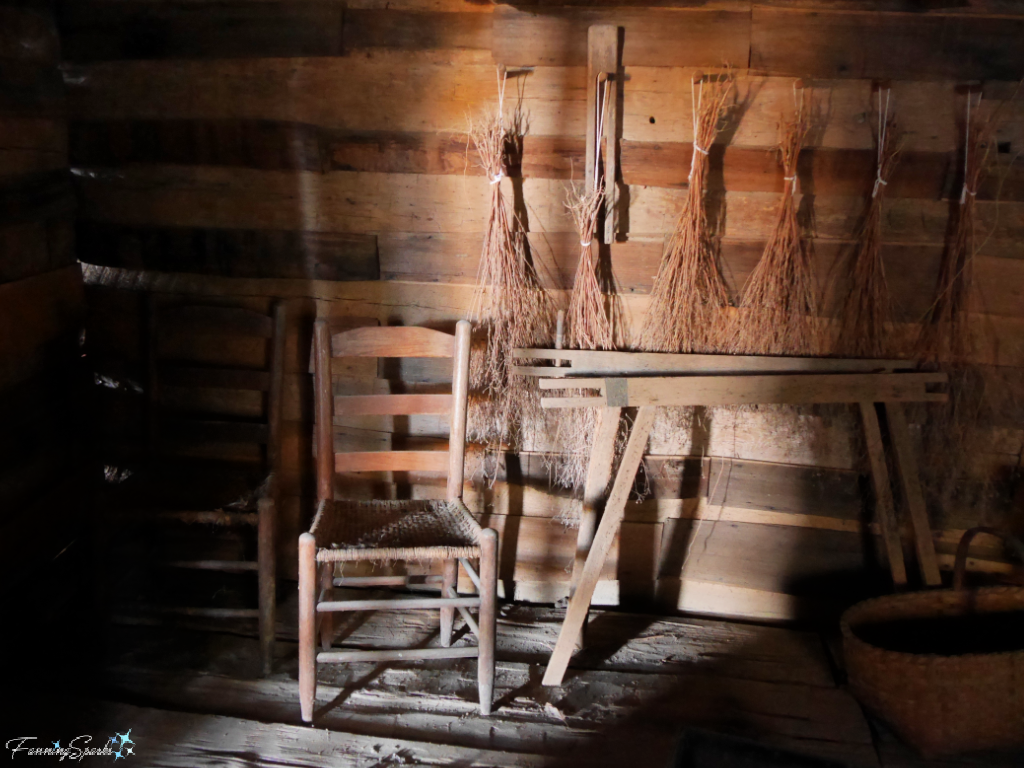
x,y
941,705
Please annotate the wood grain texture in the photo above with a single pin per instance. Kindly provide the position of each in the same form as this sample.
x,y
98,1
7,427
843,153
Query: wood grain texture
x,y
391,461
230,252
416,30
36,197
885,45
99,30
655,38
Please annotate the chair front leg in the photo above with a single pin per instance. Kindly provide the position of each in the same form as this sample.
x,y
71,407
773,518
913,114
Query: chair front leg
x,y
307,625
450,580
326,619
488,617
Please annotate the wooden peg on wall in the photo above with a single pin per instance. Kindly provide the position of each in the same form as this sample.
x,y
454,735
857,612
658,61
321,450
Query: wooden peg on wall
x,y
604,57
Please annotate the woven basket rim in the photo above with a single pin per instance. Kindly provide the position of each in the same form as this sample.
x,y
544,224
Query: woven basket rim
x,y
922,597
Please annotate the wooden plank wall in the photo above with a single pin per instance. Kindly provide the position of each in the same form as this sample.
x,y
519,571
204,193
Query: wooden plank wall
x,y
314,150
41,302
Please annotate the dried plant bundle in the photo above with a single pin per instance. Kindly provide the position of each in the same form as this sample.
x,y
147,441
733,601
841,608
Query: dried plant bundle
x,y
689,293
779,304
589,318
944,331
509,304
860,293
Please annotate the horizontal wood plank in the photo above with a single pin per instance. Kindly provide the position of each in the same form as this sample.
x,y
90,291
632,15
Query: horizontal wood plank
x,y
36,197
214,378
197,431
98,30
391,461
653,37
907,46
210,320
391,405
231,252
415,30
741,390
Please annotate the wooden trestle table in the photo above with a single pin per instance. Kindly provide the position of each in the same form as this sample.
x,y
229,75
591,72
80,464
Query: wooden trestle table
x,y
648,381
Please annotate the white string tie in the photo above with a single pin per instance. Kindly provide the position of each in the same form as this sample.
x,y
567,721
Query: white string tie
x,y
878,181
497,177
693,160
585,243
793,179
883,126
964,193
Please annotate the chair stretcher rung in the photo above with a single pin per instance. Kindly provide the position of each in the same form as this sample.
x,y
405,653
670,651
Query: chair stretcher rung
x,y
384,581
398,654
383,605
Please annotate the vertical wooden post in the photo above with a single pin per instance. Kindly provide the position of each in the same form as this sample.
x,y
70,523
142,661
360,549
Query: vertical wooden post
x,y
275,397
460,394
266,563
910,481
307,625
449,579
488,617
324,397
579,603
883,495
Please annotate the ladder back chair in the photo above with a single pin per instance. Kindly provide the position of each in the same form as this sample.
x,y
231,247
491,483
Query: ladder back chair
x,y
213,442
387,531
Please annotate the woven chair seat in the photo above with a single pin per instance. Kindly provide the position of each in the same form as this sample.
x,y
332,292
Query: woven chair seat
x,y
394,530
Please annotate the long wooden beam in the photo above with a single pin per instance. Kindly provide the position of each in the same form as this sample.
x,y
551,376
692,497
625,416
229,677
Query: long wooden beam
x,y
743,390
585,362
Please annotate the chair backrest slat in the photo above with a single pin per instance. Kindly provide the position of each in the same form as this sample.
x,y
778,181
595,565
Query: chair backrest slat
x,y
390,342
391,461
391,405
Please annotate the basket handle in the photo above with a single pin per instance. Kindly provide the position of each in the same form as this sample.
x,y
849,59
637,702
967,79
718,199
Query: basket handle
x,y
960,566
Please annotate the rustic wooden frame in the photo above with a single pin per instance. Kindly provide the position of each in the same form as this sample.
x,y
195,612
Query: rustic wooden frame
x,y
316,569
649,393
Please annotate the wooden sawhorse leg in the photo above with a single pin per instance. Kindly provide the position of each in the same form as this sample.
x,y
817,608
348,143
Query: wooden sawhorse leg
x,y
884,510
579,602
599,473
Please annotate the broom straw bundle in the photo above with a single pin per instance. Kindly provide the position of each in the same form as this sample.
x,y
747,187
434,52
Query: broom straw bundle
x,y
864,312
589,319
944,332
689,293
509,302
778,307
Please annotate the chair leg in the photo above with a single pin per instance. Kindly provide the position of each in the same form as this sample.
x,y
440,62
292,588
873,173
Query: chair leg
x,y
488,617
307,625
326,619
450,579
266,556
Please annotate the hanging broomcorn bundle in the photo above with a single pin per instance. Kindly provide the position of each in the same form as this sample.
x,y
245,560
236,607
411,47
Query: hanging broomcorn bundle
x,y
861,293
508,304
589,319
689,294
778,307
944,332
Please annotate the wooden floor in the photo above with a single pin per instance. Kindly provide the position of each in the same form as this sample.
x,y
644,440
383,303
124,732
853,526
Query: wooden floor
x,y
192,697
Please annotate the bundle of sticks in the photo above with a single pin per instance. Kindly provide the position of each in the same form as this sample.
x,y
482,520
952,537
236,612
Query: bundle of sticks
x,y
861,293
778,308
509,303
689,295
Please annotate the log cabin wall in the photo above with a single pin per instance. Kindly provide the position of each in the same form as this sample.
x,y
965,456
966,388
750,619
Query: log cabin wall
x,y
313,150
43,505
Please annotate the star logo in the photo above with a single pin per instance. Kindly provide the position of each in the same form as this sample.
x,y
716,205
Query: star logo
x,y
125,737
118,755
129,751
56,744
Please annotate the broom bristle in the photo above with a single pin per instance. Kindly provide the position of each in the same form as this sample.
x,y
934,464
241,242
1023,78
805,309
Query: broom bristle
x,y
860,293
778,309
689,295
509,303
